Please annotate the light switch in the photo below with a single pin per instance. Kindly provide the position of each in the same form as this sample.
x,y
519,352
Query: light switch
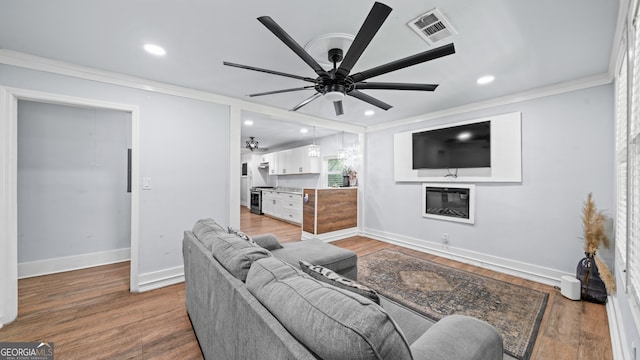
x,y
146,183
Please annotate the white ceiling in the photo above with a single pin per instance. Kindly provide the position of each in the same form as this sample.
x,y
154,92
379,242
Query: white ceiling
x,y
273,133
524,44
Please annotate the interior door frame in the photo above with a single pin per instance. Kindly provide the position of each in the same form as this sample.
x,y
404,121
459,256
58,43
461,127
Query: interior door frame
x,y
9,186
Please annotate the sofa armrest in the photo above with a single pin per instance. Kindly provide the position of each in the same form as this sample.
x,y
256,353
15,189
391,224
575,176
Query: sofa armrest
x,y
458,337
267,241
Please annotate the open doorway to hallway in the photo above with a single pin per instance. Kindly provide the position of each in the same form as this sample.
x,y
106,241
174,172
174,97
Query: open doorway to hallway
x,y
74,199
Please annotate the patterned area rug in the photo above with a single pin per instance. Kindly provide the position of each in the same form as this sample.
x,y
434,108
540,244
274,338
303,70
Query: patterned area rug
x,y
436,291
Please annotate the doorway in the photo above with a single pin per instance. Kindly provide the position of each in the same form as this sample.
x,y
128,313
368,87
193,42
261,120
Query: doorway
x,y
9,98
74,205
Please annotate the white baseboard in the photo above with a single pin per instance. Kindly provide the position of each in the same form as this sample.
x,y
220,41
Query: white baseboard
x,y
68,263
331,236
157,279
524,270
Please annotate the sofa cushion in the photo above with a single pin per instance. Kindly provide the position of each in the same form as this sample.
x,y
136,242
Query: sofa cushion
x,y
320,253
460,337
241,235
330,277
206,230
236,254
332,323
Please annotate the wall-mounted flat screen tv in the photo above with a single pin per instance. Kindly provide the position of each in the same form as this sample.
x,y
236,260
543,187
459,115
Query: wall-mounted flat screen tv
x,y
457,147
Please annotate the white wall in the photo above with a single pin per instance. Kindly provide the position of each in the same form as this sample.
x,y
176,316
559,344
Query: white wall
x,y
184,149
72,181
533,226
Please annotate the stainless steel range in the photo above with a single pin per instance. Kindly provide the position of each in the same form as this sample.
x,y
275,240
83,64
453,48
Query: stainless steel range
x,y
256,198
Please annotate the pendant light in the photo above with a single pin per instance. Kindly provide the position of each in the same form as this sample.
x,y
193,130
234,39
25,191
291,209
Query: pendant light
x,y
314,150
342,152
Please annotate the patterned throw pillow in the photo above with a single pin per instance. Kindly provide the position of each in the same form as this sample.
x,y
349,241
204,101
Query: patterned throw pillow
x,y
328,276
242,235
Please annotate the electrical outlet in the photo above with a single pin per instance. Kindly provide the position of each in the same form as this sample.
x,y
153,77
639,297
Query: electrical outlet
x,y
445,238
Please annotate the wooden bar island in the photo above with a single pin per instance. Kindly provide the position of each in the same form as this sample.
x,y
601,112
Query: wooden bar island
x,y
329,210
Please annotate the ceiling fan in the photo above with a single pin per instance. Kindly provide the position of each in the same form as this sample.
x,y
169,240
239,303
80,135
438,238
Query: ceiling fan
x,y
338,82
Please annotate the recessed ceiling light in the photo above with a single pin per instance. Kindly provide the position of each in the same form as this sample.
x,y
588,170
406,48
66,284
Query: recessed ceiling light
x,y
304,130
248,122
369,113
155,49
485,79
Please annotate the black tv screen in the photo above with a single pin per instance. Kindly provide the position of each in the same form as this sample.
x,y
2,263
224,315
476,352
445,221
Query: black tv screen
x,y
464,146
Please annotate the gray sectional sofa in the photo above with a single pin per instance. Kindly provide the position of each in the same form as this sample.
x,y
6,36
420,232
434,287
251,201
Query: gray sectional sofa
x,y
250,300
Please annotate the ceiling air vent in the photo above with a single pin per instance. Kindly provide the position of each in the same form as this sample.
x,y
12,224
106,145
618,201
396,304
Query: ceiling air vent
x,y
432,26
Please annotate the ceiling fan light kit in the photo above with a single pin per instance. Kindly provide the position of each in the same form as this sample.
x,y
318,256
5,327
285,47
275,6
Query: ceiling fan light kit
x,y
338,82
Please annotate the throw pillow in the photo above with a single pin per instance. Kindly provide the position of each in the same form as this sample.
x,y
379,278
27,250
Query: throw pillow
x,y
332,323
330,277
242,235
268,241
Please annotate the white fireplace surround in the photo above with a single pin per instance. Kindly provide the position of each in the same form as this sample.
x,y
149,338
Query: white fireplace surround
x,y
469,219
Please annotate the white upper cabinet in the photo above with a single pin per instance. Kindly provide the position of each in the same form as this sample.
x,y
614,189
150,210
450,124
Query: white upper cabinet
x,y
271,159
295,161
284,164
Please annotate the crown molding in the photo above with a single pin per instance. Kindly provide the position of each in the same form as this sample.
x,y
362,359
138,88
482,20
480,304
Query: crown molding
x,y
32,62
570,86
15,58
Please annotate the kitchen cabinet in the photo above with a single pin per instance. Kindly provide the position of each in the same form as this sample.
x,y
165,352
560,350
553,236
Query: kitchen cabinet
x,y
282,205
296,161
270,158
269,203
290,207
284,161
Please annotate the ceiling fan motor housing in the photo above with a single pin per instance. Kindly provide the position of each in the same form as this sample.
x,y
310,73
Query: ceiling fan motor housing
x,y
335,56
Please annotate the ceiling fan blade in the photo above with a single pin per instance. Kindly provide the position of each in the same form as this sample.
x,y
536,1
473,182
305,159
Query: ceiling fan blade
x,y
368,30
395,86
370,99
406,62
306,101
281,91
247,67
292,44
338,106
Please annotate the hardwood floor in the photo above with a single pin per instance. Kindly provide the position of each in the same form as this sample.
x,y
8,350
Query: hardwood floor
x,y
90,313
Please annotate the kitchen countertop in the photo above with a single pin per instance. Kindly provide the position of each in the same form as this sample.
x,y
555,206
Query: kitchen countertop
x,y
297,191
339,188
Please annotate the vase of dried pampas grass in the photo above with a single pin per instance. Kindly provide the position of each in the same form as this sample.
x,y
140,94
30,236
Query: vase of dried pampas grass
x,y
595,277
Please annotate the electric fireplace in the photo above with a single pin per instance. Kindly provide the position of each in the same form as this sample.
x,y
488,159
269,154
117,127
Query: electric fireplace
x,y
452,202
